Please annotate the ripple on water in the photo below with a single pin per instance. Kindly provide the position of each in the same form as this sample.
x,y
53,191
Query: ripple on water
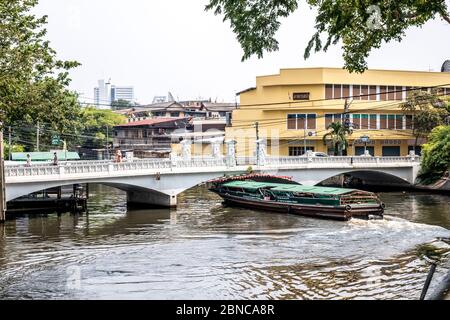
x,y
206,251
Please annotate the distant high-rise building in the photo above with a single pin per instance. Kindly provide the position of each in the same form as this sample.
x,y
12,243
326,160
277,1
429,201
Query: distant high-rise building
x,y
105,94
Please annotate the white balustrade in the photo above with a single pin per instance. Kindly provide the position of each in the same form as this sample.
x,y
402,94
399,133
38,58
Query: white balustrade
x,y
105,166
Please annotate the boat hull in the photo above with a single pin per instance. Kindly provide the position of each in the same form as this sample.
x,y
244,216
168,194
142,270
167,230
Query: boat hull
x,y
324,212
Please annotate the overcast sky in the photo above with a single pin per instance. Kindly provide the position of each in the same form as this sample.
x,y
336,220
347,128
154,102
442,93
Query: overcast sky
x,y
174,45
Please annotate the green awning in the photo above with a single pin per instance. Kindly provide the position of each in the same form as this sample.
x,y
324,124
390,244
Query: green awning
x,y
252,185
45,156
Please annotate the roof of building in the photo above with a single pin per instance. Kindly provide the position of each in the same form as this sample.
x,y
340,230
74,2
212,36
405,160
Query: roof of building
x,y
251,185
246,90
45,156
163,105
212,106
151,122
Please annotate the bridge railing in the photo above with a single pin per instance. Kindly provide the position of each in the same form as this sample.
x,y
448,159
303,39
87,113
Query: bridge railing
x,y
85,167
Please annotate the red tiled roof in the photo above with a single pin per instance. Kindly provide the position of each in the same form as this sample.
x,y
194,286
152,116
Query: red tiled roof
x,y
150,122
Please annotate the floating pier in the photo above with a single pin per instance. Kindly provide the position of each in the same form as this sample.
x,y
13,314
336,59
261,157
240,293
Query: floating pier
x,y
56,200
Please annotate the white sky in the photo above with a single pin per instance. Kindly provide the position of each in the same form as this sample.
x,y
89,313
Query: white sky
x,y
174,45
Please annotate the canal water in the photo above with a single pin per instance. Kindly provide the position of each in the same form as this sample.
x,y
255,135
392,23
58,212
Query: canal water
x,y
203,250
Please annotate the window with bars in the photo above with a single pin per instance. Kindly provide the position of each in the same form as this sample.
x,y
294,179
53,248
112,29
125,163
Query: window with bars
x,y
368,92
331,118
301,121
392,121
365,121
299,151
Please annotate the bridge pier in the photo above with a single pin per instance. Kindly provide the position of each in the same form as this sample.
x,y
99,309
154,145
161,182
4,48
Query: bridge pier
x,y
151,198
2,181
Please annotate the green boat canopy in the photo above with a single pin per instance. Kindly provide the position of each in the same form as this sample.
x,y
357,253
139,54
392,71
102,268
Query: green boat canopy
x,y
252,185
45,156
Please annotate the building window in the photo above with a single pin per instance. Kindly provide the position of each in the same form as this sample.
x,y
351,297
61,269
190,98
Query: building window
x,y
356,121
299,151
391,151
383,96
174,114
418,150
365,121
383,121
391,93
332,118
373,93
329,91
301,121
399,122
391,121
409,122
337,91
345,91
356,92
399,93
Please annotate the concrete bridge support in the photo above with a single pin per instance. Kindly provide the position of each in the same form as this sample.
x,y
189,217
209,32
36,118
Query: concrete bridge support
x,y
2,182
151,199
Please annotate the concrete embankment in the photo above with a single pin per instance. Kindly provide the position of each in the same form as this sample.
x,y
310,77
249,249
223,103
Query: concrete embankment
x,y
442,185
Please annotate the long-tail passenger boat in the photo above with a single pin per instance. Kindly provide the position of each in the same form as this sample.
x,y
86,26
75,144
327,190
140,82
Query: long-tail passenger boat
x,y
286,196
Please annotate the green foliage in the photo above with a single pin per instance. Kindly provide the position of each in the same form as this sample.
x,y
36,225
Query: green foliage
x,y
96,123
436,155
428,110
33,82
14,148
337,137
361,25
121,104
255,23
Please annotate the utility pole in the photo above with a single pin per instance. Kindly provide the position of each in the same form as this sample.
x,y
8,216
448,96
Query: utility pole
x,y
304,134
257,142
107,143
37,137
2,178
9,144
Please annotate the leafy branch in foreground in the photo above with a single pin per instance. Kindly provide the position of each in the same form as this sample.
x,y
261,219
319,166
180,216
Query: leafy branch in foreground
x,y
361,25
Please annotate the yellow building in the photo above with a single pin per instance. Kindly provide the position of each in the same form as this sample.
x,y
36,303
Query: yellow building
x,y
293,109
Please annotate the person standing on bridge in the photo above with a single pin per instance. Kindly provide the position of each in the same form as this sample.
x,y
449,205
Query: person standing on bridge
x,y
55,159
28,161
118,156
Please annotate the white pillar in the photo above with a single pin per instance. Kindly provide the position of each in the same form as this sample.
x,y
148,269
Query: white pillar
x,y
215,146
151,199
231,153
261,152
186,149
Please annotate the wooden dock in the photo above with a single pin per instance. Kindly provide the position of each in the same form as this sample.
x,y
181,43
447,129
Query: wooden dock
x,y
57,200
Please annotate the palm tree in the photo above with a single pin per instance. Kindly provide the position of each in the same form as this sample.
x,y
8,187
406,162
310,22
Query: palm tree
x,y
337,136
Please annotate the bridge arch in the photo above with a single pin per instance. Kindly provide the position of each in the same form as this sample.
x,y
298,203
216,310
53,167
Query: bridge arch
x,y
389,176
161,190
370,177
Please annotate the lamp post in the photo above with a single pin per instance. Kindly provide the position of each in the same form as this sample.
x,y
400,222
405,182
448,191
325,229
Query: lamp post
x,y
310,134
365,140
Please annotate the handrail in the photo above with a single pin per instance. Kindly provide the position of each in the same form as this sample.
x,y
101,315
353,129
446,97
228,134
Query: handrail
x,y
108,166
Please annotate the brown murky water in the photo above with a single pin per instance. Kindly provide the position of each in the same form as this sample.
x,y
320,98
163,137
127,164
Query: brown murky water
x,y
203,250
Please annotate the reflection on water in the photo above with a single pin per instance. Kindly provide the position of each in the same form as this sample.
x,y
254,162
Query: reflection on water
x,y
203,250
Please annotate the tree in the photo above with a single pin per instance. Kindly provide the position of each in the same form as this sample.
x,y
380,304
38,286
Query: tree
x,y
121,104
96,123
436,155
361,25
428,111
33,82
337,137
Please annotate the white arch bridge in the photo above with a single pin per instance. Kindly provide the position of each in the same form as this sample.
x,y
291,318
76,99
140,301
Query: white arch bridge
x,y
160,181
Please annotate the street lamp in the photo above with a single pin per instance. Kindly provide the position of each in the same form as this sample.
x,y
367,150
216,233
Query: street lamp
x,y
310,134
365,140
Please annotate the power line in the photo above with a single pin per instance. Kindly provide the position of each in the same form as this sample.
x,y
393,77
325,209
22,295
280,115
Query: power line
x,y
408,89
